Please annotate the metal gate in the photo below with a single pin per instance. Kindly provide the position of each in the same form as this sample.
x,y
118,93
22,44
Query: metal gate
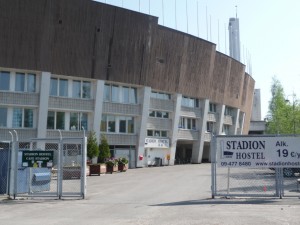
x,y
250,182
48,168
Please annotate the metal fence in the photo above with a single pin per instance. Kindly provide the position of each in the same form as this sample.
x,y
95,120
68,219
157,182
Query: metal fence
x,y
251,182
40,168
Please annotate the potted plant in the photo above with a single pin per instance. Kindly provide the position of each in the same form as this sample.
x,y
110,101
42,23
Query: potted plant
x,y
111,165
93,151
122,164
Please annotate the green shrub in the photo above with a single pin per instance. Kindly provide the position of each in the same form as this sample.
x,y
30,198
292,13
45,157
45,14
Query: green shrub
x,y
104,152
92,145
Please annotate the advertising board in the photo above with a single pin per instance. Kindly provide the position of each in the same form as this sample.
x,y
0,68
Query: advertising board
x,y
258,151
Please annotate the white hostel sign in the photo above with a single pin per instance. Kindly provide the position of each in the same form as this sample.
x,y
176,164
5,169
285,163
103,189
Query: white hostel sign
x,y
156,143
262,151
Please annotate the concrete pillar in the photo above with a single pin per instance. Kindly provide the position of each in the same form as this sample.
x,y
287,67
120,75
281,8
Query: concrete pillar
x,y
235,121
145,103
98,108
219,124
241,121
174,133
43,105
198,145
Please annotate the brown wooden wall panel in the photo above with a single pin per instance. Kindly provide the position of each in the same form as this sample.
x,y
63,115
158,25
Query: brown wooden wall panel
x,y
247,99
234,85
166,60
219,78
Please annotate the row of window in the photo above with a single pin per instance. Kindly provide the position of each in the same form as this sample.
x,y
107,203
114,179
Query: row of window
x,y
187,123
160,95
117,124
61,120
120,94
190,102
60,87
21,117
157,133
159,114
23,82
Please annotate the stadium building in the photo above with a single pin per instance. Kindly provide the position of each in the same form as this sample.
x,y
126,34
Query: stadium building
x,y
157,94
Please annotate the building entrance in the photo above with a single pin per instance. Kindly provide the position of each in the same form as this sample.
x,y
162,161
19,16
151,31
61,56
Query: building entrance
x,y
183,153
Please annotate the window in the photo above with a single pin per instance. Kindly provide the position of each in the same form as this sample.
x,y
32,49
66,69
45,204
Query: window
x,y
122,124
165,115
157,133
107,94
130,125
152,113
22,118
4,80
78,121
125,94
111,124
25,82
187,123
115,93
56,120
28,118
117,124
121,94
60,120
103,126
17,117
76,89
159,114
51,120
20,82
160,95
163,133
31,82
210,127
86,89
59,87
226,129
53,86
190,102
63,87
3,117
81,89
212,107
150,133
228,111
133,95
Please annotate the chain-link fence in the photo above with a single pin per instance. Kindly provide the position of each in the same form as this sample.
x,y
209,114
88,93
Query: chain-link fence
x,y
48,168
4,166
241,181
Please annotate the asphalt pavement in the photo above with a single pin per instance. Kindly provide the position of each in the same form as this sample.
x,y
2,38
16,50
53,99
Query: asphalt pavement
x,y
158,195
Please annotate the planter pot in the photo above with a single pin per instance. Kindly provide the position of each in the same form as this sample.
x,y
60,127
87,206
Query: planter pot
x,y
97,169
123,167
111,169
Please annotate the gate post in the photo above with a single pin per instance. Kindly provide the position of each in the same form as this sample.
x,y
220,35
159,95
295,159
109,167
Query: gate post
x,y
213,166
83,166
60,168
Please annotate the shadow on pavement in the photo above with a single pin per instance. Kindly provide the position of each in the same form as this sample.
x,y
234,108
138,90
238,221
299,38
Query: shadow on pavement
x,y
232,201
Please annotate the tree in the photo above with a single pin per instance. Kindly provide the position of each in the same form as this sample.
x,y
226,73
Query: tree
x,y
104,151
92,145
282,115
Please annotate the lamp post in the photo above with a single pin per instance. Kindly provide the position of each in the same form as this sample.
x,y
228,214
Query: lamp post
x,y
287,100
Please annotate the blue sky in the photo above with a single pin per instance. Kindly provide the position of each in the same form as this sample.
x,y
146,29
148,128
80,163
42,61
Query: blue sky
x,y
269,33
